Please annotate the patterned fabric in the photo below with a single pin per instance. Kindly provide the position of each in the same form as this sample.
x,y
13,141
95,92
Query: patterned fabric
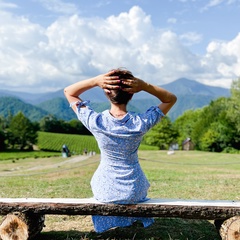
x,y
119,178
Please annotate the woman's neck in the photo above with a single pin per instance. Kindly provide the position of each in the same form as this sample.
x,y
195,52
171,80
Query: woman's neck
x,y
118,111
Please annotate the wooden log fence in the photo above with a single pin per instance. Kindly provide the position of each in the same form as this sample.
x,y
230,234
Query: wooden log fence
x,y
31,211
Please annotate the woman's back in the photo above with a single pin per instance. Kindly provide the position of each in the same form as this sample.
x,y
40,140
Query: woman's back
x,y
119,177
119,139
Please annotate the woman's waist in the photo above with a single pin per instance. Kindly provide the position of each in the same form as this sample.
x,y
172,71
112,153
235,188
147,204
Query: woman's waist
x,y
118,159
119,164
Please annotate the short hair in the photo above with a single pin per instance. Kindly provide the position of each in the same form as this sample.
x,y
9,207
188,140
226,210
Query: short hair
x,y
118,96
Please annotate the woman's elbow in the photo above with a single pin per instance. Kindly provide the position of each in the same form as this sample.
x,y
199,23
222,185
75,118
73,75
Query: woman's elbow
x,y
66,92
174,99
166,106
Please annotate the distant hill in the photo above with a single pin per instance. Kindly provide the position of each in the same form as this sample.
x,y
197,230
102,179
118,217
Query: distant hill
x,y
38,98
191,95
32,98
183,86
12,105
58,107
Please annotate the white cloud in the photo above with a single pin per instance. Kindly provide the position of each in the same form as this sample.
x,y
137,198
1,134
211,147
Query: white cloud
x,y
190,38
34,58
58,6
172,20
7,5
214,3
103,3
222,60
232,1
18,45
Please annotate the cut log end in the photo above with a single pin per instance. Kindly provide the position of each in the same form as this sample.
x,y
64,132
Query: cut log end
x,y
21,226
230,229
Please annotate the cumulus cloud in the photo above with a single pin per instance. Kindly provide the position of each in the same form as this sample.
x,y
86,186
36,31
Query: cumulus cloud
x,y
222,60
35,58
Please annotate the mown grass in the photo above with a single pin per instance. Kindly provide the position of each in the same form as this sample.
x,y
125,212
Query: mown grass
x,y
17,154
184,175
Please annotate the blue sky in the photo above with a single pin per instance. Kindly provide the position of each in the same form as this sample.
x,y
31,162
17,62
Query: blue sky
x,y
47,44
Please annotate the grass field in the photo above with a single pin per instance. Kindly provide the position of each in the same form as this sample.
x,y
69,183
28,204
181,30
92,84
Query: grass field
x,y
185,175
17,154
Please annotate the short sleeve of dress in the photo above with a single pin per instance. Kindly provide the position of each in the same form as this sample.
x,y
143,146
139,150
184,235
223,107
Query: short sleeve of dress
x,y
152,116
84,114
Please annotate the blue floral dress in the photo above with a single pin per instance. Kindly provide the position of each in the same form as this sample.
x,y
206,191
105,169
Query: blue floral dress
x,y
119,178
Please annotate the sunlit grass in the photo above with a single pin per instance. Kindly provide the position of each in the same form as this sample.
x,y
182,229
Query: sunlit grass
x,y
15,154
184,175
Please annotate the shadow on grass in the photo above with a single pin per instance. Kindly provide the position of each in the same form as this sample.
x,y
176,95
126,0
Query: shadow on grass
x,y
162,229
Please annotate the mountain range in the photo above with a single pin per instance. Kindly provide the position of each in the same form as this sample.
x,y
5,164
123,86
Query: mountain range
x,y
191,95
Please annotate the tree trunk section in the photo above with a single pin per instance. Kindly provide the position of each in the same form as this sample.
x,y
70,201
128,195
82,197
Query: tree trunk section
x,y
21,226
230,229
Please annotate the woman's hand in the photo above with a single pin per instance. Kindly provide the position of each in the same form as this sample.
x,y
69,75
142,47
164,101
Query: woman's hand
x,y
108,82
135,85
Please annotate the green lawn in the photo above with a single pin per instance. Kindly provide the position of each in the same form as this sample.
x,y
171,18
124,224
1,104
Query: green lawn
x,y
185,175
17,154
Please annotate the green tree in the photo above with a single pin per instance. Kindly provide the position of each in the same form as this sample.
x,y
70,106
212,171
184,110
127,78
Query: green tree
x,y
217,137
74,126
162,134
22,132
2,133
186,123
213,131
49,124
208,115
233,113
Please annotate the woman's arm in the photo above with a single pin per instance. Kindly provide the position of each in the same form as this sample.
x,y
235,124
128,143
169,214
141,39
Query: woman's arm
x,y
167,98
105,81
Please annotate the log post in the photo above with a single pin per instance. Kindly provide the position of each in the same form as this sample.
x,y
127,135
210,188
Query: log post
x,y
21,226
230,229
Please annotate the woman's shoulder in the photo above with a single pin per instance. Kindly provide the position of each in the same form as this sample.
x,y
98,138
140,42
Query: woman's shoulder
x,y
151,116
150,110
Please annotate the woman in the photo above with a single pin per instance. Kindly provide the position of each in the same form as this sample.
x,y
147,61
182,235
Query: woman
x,y
119,178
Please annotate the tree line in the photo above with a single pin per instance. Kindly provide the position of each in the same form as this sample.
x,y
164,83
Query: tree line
x,y
215,127
18,132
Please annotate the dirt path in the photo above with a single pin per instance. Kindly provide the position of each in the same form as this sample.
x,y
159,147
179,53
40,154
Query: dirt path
x,y
65,162
35,167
